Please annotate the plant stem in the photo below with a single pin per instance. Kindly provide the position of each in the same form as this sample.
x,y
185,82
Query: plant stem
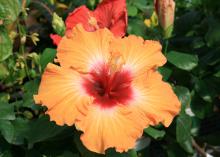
x,y
22,49
166,46
198,148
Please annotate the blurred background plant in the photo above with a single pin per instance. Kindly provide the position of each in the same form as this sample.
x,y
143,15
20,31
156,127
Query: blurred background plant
x,y
193,69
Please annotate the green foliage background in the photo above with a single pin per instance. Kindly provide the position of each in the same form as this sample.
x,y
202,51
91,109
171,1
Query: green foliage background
x,y
193,69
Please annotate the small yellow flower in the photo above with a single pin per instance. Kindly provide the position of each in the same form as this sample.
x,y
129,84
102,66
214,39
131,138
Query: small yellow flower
x,y
153,21
147,22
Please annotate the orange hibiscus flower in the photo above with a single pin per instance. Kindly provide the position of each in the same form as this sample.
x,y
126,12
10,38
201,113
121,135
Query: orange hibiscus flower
x,y
108,87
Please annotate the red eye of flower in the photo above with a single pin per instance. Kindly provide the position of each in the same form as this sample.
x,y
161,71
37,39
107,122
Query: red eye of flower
x,y
109,89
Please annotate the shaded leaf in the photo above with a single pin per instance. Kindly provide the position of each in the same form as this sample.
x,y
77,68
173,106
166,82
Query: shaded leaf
x,y
113,153
7,111
183,129
156,134
200,107
136,26
184,96
187,146
166,72
14,132
47,56
142,143
213,35
42,129
203,89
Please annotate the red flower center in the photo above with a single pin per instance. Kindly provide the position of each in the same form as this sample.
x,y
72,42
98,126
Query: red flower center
x,y
109,88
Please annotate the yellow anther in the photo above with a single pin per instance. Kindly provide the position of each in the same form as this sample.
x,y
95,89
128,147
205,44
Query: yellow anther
x,y
116,61
93,22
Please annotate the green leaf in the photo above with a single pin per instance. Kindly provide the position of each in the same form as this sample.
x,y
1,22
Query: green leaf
x,y
186,21
132,10
47,56
211,58
30,88
187,146
6,154
5,44
68,154
136,26
213,35
7,130
133,153
184,96
183,61
15,131
175,150
7,111
203,89
183,129
20,130
3,72
217,74
9,10
156,134
113,153
140,4
166,72
200,107
4,97
42,129
142,143
183,126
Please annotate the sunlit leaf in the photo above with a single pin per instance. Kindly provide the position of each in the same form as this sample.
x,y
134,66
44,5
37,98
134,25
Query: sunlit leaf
x,y
47,56
9,10
182,60
5,44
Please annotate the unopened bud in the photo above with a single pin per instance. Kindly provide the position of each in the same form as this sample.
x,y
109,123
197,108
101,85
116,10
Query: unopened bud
x,y
23,40
165,10
58,25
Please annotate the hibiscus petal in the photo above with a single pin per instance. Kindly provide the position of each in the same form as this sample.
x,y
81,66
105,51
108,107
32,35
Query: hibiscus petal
x,y
114,128
83,50
139,55
80,15
155,99
56,38
113,15
60,91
